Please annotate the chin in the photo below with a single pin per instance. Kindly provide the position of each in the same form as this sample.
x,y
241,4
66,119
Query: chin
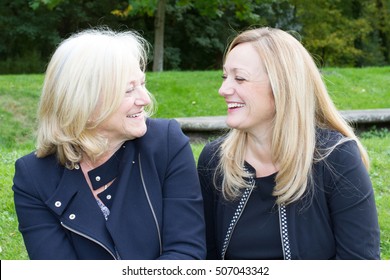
x,y
232,123
140,132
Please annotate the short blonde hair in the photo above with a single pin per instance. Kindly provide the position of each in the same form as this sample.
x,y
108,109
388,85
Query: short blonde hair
x,y
302,104
84,84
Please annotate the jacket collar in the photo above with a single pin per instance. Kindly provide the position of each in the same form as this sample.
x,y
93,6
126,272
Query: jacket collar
x,y
106,172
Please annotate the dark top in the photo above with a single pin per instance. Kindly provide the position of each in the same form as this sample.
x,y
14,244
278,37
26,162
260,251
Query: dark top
x,y
337,219
156,211
261,215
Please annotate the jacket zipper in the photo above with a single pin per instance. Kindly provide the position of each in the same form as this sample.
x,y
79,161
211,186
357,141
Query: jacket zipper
x,y
150,203
91,239
284,232
235,219
282,224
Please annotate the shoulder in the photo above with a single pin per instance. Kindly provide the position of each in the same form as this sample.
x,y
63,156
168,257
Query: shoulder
x,y
34,163
40,172
333,145
326,138
209,156
214,145
341,162
160,129
164,138
332,139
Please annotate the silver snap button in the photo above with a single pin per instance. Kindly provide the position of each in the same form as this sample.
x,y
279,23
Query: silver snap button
x,y
57,204
76,166
97,178
72,216
108,197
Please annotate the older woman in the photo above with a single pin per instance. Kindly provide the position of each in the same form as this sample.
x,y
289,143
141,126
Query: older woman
x,y
106,182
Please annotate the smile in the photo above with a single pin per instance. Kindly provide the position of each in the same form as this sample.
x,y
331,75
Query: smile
x,y
134,115
235,105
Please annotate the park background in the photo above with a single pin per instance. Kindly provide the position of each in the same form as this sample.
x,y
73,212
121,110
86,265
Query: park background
x,y
349,39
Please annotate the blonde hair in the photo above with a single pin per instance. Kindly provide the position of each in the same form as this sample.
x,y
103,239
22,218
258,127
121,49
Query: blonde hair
x,y
302,104
84,84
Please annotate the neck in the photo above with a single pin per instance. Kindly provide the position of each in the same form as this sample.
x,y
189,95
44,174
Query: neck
x,y
93,163
259,154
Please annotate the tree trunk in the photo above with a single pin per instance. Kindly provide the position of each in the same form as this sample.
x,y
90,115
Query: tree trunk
x,y
158,56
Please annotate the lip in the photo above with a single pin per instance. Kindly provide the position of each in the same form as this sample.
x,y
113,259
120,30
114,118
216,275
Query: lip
x,y
233,106
135,115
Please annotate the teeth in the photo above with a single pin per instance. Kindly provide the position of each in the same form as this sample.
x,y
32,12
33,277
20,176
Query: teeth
x,y
134,116
235,105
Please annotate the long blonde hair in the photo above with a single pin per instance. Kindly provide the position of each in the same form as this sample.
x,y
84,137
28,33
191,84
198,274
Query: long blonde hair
x,y
302,104
84,84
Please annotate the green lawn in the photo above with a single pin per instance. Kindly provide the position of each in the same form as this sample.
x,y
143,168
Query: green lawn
x,y
185,94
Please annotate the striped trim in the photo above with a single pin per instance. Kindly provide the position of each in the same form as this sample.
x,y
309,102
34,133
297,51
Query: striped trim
x,y
284,232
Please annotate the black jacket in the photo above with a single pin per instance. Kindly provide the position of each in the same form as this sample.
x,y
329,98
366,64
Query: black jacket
x,y
157,212
338,222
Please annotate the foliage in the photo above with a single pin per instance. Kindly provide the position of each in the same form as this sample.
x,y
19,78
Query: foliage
x,y
333,39
26,36
340,33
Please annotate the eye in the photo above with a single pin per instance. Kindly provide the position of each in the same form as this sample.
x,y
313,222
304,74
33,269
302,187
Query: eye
x,y
130,90
239,79
224,76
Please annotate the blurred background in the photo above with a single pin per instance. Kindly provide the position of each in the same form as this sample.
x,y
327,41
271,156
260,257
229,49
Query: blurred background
x,y
192,35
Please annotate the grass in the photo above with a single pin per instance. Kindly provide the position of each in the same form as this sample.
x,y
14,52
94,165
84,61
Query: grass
x,y
359,88
378,148
186,94
11,243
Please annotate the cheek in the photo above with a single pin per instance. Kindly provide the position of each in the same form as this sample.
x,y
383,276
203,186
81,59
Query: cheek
x,y
126,105
262,97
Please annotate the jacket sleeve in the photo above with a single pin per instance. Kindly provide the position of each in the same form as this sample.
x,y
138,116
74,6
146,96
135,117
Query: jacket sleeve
x,y
42,232
206,176
183,219
352,204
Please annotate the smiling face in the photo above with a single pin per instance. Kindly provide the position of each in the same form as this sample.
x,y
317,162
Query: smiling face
x,y
247,90
128,121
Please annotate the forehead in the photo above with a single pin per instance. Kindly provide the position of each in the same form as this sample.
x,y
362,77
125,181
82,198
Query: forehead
x,y
244,56
136,75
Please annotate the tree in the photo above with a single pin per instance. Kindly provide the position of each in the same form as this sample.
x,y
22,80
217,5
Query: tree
x,y
212,9
26,37
330,31
158,56
192,35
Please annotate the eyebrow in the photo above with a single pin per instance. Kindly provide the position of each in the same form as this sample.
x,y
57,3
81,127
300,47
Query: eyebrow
x,y
236,69
142,78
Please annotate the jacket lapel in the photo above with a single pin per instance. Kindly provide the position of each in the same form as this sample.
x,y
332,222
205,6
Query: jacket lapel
x,y
77,209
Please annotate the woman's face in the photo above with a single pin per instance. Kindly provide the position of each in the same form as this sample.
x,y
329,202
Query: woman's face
x,y
247,90
128,122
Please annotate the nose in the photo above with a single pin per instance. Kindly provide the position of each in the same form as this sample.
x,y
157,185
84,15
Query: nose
x,y
143,96
226,89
